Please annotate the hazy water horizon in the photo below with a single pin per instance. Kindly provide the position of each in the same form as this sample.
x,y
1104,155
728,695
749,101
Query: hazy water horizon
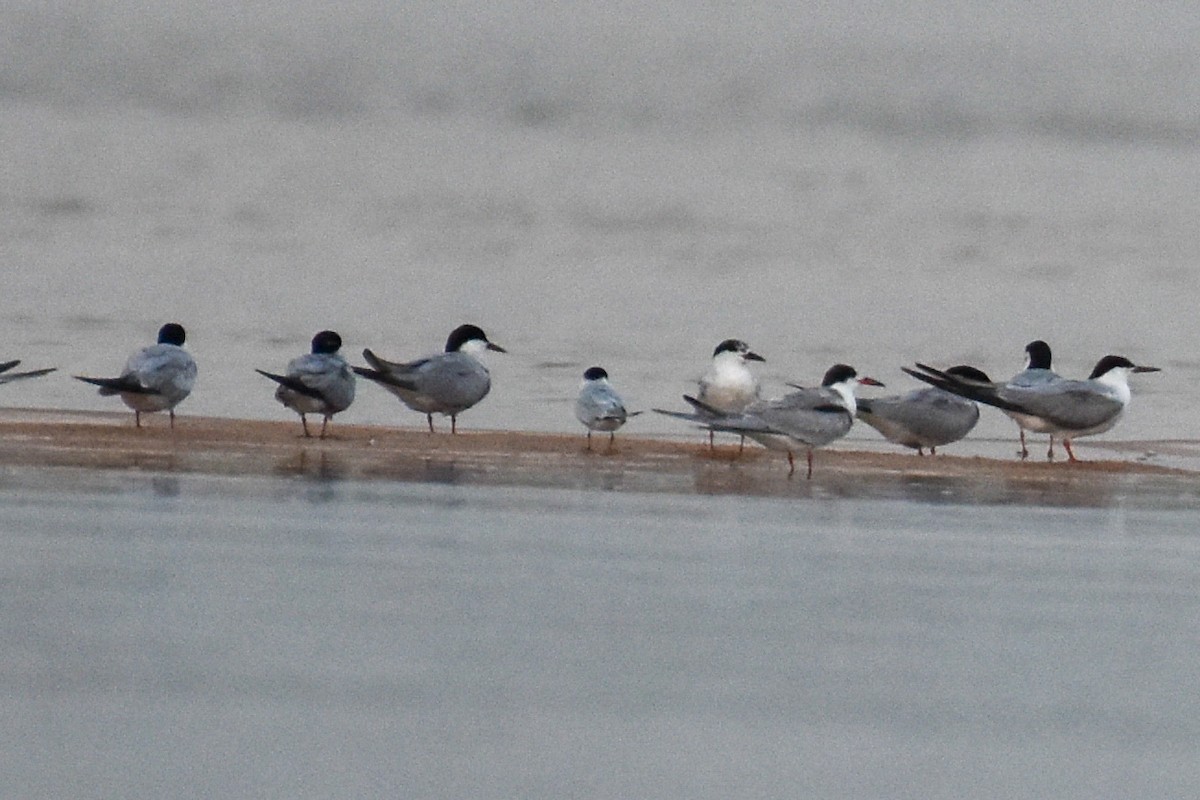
x,y
915,69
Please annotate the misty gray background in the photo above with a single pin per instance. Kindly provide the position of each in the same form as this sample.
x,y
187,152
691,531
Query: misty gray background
x,y
601,184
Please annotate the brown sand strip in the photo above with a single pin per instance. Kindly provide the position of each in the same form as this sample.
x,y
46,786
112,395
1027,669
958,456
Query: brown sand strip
x,y
245,447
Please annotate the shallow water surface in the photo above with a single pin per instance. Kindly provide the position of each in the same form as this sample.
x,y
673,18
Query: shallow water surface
x,y
214,637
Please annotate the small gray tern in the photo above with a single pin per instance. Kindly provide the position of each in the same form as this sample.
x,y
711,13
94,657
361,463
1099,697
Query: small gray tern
x,y
1037,372
319,382
155,378
928,417
599,407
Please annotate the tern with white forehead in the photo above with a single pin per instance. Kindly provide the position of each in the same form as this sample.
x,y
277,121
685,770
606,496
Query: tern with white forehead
x,y
155,378
319,382
804,419
1068,409
447,383
729,385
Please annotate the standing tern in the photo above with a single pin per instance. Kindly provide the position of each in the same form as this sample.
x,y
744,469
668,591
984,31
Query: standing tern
x,y
447,383
807,418
729,385
928,417
319,382
8,377
599,407
1036,373
1064,408
155,378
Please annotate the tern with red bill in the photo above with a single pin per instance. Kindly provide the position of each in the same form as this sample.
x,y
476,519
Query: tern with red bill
x,y
805,419
1060,407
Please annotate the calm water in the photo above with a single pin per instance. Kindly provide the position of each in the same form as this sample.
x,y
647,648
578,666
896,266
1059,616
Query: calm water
x,y
872,186
211,637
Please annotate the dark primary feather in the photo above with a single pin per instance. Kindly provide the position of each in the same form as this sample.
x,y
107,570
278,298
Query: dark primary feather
x,y
972,390
294,384
6,377
384,371
126,384
679,415
702,406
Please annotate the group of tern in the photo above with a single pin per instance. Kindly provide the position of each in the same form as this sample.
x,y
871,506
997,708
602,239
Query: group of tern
x,y
159,377
1037,398
1040,400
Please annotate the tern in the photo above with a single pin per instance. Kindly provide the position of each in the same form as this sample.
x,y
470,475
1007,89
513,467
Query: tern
x,y
8,377
155,378
928,417
319,382
599,407
1037,372
729,385
807,418
1064,408
447,383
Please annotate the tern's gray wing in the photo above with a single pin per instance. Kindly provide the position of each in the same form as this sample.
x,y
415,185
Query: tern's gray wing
x,y
1066,404
328,375
1034,376
812,417
599,403
164,368
448,383
315,383
455,380
714,419
443,384
814,424
926,417
804,398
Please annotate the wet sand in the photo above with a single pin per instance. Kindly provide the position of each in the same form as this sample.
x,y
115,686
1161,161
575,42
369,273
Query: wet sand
x,y
205,445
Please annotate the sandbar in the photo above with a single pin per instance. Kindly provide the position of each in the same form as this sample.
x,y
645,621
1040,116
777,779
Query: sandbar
x,y
34,438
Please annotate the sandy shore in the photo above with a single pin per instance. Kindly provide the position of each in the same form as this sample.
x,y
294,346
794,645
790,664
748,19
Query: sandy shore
x,y
36,438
